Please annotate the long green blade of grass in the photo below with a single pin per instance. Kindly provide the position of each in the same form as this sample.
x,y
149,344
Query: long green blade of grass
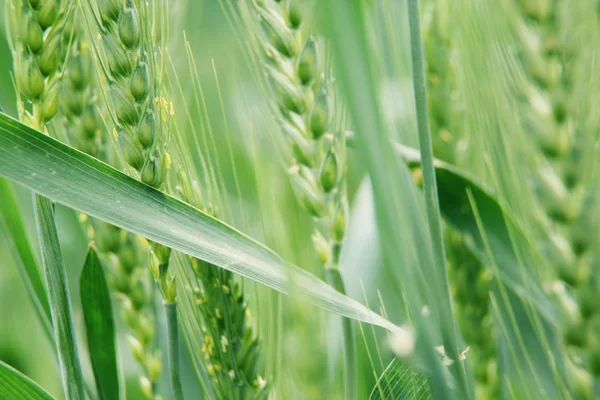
x,y
450,329
100,326
16,386
529,354
76,180
12,223
58,295
401,223
334,277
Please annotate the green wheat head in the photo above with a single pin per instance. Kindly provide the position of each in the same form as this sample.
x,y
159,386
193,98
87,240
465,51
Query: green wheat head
x,y
316,151
469,279
555,57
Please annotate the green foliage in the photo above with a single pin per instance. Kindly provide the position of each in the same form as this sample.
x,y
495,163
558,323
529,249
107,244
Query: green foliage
x,y
16,386
466,200
100,326
392,184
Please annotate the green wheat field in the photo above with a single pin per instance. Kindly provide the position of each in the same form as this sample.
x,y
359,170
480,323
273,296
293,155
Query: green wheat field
x,y
299,199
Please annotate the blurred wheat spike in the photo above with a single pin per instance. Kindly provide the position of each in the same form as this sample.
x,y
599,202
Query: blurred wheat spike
x,y
556,60
469,278
304,94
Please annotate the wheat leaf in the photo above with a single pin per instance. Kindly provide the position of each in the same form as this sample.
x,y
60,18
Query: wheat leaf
x,y
509,247
16,386
100,326
81,182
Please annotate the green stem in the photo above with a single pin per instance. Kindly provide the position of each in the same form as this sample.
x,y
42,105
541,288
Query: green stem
x,y
60,304
58,292
334,278
430,191
173,350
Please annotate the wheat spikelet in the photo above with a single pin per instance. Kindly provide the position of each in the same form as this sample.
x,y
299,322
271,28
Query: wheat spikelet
x,y
140,114
39,37
314,148
125,54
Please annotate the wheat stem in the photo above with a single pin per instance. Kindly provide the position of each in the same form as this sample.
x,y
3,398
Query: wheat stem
x,y
173,350
430,190
334,278
469,280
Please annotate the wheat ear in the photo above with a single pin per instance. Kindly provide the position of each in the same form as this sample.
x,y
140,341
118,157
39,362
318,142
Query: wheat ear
x,y
551,54
469,279
122,252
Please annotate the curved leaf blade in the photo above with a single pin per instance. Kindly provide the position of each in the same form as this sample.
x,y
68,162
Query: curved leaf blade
x,y
100,326
400,382
509,247
528,319
60,303
16,386
68,176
